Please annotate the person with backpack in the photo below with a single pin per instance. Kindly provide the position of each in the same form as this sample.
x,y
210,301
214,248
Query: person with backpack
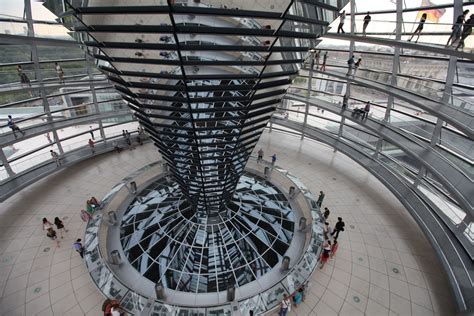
x,y
339,227
78,247
350,65
13,126
356,65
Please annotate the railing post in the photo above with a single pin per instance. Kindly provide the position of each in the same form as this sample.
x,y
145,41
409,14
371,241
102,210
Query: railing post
x,y
6,164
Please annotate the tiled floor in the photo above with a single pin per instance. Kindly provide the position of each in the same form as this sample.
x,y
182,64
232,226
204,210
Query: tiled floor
x,y
384,264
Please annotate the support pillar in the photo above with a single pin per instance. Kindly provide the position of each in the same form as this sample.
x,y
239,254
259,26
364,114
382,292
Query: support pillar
x,y
6,164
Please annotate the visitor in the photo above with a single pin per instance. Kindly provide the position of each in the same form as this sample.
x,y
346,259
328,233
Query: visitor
x,y
55,157
274,159
46,224
356,65
466,31
111,308
327,231
92,146
48,137
334,247
350,65
457,28
60,73
260,155
78,247
367,19
325,58
298,296
13,126
60,226
366,110
326,252
345,100
342,17
285,306
89,207
50,232
419,28
326,213
91,131
23,77
339,227
320,198
358,112
95,203
85,216
316,58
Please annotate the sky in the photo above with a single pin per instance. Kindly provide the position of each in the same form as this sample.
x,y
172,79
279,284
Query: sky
x,y
383,23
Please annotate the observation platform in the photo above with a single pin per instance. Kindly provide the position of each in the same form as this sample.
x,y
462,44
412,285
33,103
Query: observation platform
x,y
432,48
384,263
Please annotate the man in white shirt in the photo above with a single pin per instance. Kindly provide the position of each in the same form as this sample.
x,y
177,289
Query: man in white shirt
x,y
342,17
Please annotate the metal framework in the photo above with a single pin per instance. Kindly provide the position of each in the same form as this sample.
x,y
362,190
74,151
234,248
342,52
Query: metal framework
x,y
202,80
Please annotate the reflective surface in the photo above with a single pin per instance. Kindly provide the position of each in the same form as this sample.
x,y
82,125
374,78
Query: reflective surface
x,y
170,244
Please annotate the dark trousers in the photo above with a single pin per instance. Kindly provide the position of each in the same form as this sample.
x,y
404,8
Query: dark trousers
x,y
336,233
81,252
339,28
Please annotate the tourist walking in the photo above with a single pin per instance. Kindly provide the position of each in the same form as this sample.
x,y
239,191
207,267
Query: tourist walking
x,y
23,77
91,131
48,137
325,254
342,17
92,146
320,198
339,227
60,73
274,159
260,155
366,110
285,306
13,126
350,65
316,58
419,28
356,65
60,226
325,58
466,31
50,232
77,245
55,157
367,19
457,28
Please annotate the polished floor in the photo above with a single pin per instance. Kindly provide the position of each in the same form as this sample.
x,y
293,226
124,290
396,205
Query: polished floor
x,y
384,266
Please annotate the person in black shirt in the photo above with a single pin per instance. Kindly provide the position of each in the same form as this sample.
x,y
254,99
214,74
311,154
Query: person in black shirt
x,y
457,28
419,28
466,31
367,19
339,227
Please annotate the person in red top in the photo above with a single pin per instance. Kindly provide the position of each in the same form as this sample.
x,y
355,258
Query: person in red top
x,y
326,252
334,247
92,146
